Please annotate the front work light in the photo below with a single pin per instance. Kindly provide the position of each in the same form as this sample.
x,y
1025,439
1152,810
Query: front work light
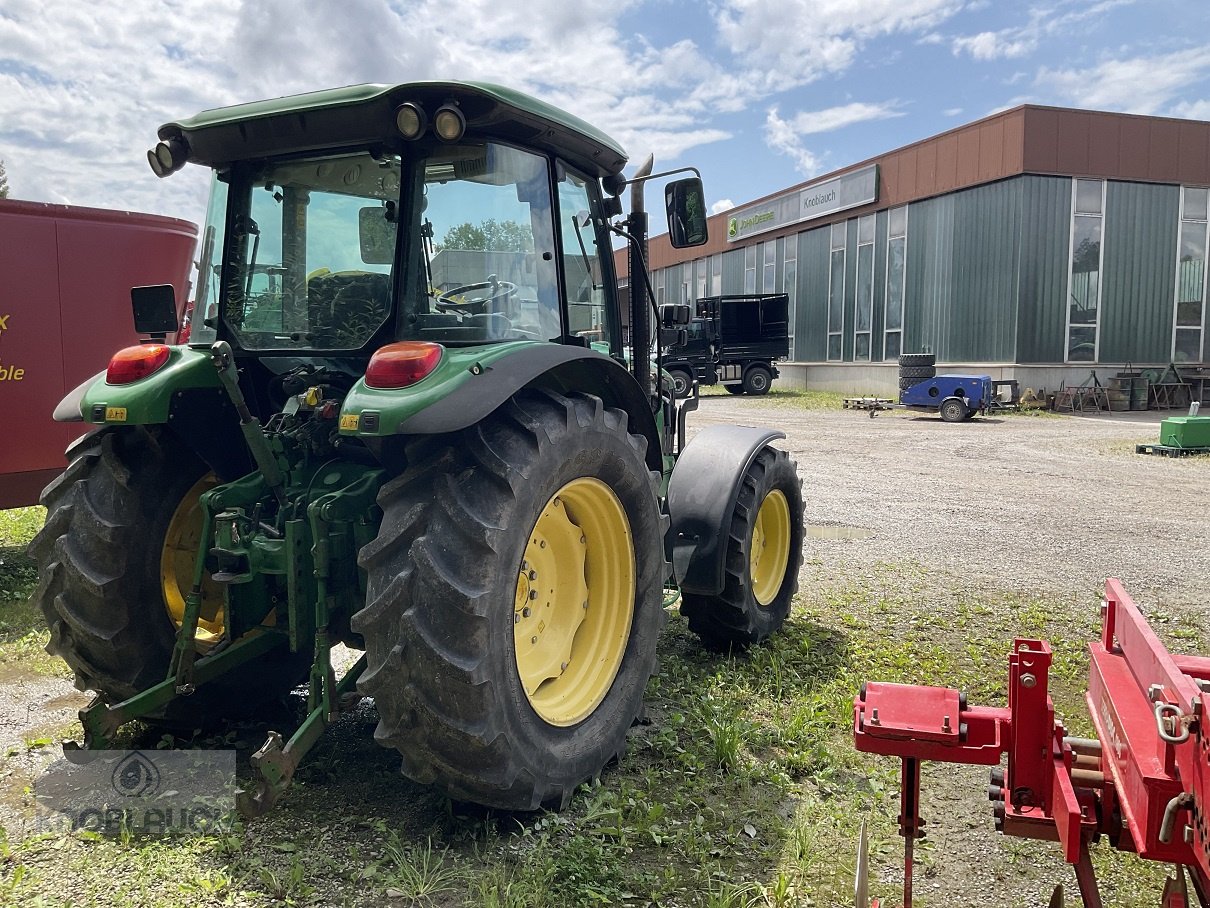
x,y
133,363
401,364
449,123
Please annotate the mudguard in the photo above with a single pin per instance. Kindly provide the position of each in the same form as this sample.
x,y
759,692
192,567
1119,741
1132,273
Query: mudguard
x,y
560,367
702,493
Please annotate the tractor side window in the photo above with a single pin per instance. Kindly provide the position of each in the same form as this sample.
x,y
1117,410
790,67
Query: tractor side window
x,y
586,312
487,224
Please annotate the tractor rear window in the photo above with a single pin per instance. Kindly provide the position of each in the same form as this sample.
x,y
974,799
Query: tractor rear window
x,y
312,254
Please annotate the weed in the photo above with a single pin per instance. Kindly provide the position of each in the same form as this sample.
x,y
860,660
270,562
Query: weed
x,y
419,873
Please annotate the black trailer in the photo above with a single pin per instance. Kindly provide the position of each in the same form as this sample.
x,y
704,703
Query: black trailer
x,y
735,340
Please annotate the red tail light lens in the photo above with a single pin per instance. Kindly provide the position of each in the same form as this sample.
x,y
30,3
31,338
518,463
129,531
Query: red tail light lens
x,y
402,364
134,363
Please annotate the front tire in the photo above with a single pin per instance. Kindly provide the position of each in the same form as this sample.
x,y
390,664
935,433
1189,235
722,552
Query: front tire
x,y
514,601
110,559
764,554
953,410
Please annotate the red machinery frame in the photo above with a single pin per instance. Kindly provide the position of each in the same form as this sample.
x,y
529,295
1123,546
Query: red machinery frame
x,y
1142,783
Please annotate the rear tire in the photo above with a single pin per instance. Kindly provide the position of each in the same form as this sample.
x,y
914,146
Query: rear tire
x,y
458,632
100,586
757,591
757,381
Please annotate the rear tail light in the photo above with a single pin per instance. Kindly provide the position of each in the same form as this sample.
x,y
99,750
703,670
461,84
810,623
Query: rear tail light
x,y
401,364
134,363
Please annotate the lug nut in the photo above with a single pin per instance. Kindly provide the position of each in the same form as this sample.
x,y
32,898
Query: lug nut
x,y
525,612
533,639
533,594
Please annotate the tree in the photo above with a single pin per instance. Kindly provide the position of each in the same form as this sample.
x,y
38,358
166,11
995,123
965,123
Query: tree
x,y
498,236
3,182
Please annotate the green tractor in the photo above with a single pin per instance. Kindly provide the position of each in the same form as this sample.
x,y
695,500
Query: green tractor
x,y
412,418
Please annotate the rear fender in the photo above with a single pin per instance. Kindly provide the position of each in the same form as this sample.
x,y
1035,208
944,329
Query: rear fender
x,y
702,493
471,383
148,400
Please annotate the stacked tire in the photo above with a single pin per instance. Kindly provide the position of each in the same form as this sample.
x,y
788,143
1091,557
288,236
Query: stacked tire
x,y
915,368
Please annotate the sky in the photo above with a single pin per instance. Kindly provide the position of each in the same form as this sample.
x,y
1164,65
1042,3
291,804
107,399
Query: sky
x,y
758,94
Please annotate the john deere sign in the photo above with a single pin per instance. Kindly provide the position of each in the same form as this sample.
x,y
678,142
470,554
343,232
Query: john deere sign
x,y
825,197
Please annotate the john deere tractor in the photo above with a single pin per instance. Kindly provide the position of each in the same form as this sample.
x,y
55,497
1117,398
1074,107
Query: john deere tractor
x,y
412,418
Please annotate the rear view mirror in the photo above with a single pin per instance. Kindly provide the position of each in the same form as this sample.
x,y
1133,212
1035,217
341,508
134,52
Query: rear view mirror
x,y
674,315
686,203
376,230
154,309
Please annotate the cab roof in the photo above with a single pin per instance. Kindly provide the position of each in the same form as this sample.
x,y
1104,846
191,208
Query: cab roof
x,y
364,116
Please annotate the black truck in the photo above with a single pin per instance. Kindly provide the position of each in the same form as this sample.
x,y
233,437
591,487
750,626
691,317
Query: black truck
x,y
735,340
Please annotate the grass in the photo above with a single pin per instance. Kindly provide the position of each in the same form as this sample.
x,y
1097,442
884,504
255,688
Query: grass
x,y
788,398
742,789
23,635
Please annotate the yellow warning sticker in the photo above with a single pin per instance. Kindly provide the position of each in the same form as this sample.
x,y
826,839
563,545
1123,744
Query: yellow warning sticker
x,y
115,414
349,421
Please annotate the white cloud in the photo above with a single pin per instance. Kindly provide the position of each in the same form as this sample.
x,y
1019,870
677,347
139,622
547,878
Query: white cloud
x,y
1192,110
792,42
785,135
994,46
782,137
80,103
1059,18
951,112
1142,85
722,205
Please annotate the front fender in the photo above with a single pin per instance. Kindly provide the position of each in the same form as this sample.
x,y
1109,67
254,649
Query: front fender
x,y
702,494
471,382
147,401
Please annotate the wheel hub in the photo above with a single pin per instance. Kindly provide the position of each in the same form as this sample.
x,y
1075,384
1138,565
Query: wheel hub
x,y
770,549
574,601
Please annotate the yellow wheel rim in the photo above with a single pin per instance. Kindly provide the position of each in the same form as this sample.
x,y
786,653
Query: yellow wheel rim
x,y
770,550
177,559
574,601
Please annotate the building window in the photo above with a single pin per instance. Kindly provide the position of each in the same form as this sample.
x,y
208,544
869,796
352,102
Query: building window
x,y
768,280
789,282
863,323
750,269
896,269
716,275
657,281
1189,323
836,293
700,269
1084,294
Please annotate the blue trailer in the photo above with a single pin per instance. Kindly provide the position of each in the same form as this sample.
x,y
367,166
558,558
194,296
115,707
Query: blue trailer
x,y
954,397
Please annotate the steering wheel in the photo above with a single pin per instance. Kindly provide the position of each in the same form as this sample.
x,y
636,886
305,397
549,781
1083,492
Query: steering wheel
x,y
497,292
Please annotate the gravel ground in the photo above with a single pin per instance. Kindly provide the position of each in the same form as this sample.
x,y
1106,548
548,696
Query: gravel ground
x,y
1030,504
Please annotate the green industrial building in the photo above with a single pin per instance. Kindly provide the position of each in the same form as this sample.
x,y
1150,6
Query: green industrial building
x,y
1038,244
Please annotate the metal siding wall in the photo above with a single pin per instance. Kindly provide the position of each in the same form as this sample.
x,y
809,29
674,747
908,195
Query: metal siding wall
x,y
981,325
1045,259
1139,283
733,271
811,315
850,289
878,319
929,282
